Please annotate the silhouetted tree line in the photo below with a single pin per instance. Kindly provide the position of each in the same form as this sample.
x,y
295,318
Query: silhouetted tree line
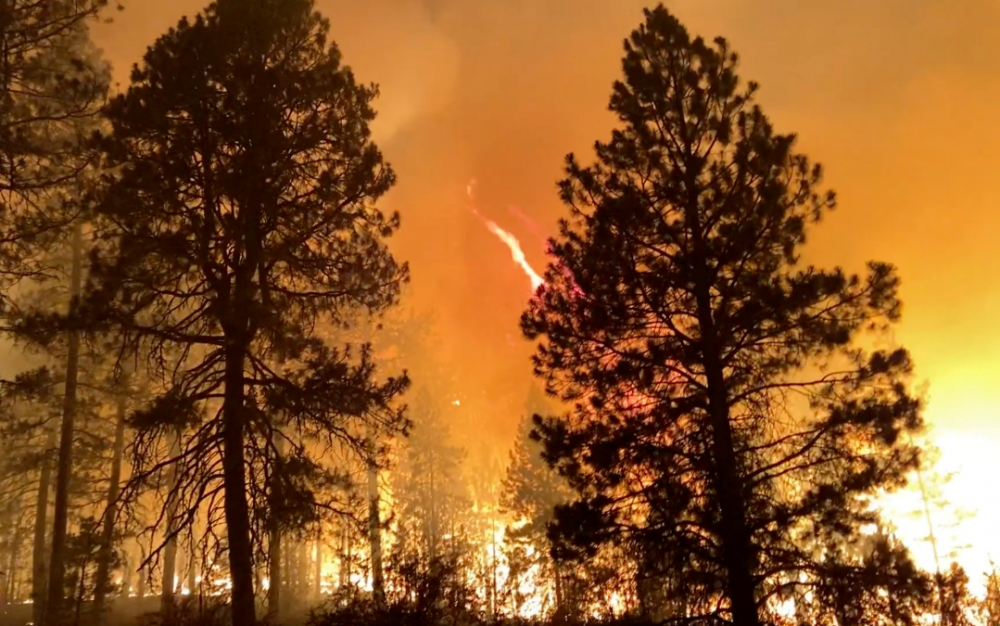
x,y
214,422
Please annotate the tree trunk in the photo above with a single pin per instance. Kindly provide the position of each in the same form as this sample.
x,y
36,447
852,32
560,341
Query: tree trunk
x,y
60,515
14,589
39,576
345,556
9,590
342,575
736,539
432,531
192,566
560,600
737,546
103,575
274,544
141,574
274,574
348,554
234,476
287,575
375,532
304,568
318,568
168,589
126,574
6,530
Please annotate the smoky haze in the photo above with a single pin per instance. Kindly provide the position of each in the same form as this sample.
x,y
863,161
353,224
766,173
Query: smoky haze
x,y
897,98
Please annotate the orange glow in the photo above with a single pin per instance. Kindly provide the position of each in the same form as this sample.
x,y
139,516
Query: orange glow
x,y
897,99
516,253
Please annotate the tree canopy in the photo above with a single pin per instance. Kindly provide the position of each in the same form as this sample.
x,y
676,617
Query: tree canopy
x,y
729,411
240,219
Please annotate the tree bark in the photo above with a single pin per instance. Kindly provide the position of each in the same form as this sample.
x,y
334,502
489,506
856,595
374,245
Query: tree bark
x,y
287,575
237,510
192,567
103,575
342,561
60,515
318,568
345,556
305,569
126,574
168,589
140,591
141,575
274,572
737,546
9,591
39,577
13,589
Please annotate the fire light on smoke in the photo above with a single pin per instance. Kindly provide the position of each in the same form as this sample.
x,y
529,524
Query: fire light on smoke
x,y
516,253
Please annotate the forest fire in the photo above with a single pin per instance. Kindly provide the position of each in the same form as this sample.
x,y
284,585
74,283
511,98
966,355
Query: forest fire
x,y
242,386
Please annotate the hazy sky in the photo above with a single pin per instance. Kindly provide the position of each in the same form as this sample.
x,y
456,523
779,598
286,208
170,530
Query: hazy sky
x,y
897,98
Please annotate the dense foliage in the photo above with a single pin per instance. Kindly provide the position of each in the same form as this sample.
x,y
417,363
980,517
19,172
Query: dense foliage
x,y
728,420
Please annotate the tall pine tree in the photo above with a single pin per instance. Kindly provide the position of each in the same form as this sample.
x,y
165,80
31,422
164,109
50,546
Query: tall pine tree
x,y
726,406
240,220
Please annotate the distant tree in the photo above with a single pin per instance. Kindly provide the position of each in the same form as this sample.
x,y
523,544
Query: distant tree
x,y
725,404
428,487
107,556
531,492
956,604
240,220
53,83
72,421
870,580
989,607
28,439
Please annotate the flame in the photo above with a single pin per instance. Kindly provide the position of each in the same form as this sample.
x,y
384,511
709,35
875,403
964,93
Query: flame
x,y
516,253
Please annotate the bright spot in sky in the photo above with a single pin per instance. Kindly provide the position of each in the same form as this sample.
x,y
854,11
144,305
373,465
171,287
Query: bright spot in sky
x,y
964,517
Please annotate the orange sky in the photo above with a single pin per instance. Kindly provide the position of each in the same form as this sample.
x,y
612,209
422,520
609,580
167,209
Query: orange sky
x,y
897,98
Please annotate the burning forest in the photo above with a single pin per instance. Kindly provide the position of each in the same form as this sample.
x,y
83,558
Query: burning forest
x,y
240,388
